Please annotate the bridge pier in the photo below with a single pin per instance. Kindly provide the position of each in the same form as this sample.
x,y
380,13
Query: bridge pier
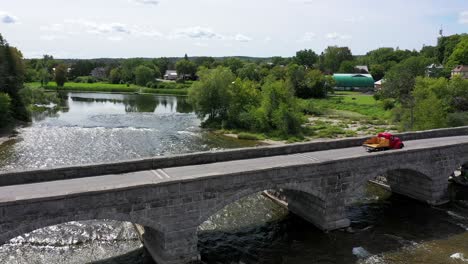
x,y
432,190
172,247
329,214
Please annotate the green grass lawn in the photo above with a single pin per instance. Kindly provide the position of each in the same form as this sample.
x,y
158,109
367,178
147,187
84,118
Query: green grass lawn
x,y
116,88
355,102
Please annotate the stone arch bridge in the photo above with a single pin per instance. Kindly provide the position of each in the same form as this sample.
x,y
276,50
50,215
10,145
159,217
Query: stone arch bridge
x,y
172,196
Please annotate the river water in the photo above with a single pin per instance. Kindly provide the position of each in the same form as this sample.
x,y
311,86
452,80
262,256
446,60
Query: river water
x,y
89,128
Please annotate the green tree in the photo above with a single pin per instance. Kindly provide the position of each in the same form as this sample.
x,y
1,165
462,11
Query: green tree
x,y
400,82
430,110
377,71
31,75
143,75
278,61
206,62
12,78
459,55
457,95
333,56
316,85
306,58
163,64
128,69
429,52
446,46
83,68
347,67
5,109
233,63
279,72
279,110
250,71
209,96
44,68
115,75
186,68
244,98
307,83
61,74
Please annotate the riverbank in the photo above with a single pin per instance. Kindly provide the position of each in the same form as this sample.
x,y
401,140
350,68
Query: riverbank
x,y
173,88
340,115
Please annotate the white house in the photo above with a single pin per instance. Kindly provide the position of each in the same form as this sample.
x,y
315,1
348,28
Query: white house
x,y
171,75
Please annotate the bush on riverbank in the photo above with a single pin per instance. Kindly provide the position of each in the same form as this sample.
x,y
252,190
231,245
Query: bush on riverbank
x,y
248,136
11,80
5,104
226,102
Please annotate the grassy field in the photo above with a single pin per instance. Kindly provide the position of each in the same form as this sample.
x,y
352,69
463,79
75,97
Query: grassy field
x,y
346,114
348,103
114,88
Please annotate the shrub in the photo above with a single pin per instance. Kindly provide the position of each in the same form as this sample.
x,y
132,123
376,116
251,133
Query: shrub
x,y
457,119
149,84
5,114
143,75
388,104
308,108
91,79
378,96
248,136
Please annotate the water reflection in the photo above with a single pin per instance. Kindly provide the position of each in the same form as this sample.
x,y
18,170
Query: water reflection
x,y
387,229
91,127
87,128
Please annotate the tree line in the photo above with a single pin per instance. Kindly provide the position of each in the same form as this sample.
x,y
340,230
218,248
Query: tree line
x,y
273,85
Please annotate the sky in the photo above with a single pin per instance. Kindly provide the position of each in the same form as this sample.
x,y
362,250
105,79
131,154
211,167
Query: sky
x,y
259,28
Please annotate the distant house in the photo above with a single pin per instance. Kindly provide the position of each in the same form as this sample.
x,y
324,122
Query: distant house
x,y
378,84
460,70
361,69
434,70
353,81
170,75
99,73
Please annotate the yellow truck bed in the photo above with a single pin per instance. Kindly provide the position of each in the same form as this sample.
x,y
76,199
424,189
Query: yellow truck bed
x,y
377,142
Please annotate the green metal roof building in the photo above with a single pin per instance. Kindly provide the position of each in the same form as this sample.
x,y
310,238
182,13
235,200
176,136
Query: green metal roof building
x,y
353,80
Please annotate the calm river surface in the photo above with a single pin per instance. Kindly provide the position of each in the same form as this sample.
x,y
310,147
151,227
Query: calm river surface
x,y
92,127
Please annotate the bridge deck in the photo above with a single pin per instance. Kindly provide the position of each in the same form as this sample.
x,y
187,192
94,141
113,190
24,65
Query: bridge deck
x,y
58,189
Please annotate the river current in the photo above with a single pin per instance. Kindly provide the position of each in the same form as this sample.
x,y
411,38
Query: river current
x,y
91,127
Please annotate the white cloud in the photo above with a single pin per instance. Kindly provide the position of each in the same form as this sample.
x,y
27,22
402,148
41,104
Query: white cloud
x,y
8,18
308,36
200,44
354,19
463,17
146,33
146,2
242,38
335,35
109,30
99,28
115,38
53,27
196,33
51,37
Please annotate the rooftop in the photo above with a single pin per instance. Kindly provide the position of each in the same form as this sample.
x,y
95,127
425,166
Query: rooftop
x,y
353,80
461,68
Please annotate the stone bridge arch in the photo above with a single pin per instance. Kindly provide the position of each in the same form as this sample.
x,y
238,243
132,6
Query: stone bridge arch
x,y
15,228
426,181
306,199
